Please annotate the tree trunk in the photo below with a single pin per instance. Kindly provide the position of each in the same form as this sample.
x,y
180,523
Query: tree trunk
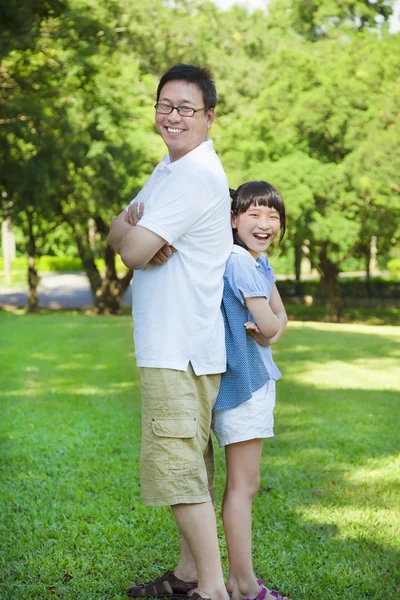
x,y
297,261
108,296
33,279
108,290
8,246
330,285
367,270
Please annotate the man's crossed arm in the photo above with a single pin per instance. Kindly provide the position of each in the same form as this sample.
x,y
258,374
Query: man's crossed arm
x,y
137,245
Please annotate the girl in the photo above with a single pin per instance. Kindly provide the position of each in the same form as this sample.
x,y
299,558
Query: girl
x,y
254,319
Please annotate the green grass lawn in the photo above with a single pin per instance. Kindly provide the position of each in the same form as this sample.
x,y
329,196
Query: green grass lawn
x,y
326,521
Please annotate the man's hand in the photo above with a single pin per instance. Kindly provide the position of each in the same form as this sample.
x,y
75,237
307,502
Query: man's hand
x,y
133,216
162,255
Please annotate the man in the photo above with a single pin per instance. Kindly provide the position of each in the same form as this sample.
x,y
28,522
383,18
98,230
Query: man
x,y
185,232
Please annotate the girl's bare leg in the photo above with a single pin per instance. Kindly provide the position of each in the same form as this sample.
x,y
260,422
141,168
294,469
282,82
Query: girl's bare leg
x,y
242,482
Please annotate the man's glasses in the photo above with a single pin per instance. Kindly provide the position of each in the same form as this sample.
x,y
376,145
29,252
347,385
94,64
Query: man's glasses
x,y
183,111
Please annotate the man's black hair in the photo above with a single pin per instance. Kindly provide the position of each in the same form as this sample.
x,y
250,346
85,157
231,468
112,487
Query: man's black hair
x,y
200,76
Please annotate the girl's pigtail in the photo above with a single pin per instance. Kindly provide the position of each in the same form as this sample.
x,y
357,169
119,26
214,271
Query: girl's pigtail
x,y
232,193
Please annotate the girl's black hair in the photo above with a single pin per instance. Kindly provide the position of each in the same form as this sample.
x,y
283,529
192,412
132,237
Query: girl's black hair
x,y
258,193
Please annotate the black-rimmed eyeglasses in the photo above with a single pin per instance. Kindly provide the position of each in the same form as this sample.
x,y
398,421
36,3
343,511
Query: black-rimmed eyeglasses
x,y
183,111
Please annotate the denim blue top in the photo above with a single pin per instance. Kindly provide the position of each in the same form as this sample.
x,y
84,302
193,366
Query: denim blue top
x,y
249,365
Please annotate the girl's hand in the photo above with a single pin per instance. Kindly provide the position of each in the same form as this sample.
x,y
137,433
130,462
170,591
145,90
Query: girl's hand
x,y
133,215
256,334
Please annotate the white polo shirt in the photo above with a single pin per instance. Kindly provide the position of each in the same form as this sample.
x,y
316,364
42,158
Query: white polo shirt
x,y
176,307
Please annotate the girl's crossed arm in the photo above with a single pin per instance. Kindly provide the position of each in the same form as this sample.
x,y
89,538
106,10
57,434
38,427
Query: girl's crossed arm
x,y
279,311
266,323
270,318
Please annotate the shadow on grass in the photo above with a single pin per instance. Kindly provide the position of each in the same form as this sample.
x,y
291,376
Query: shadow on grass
x,y
73,524
55,343
325,518
308,343
72,507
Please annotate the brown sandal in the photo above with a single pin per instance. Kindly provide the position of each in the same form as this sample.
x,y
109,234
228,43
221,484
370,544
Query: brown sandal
x,y
158,589
196,596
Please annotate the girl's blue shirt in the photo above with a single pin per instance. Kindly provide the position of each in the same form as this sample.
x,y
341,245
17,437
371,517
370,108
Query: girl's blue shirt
x,y
249,365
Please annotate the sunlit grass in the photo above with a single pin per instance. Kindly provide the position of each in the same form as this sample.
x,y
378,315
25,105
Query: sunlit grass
x,y
326,521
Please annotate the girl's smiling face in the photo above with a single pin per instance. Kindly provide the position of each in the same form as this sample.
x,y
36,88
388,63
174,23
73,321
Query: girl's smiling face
x,y
257,227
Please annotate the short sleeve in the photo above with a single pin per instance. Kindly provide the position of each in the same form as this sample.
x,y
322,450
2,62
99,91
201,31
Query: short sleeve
x,y
245,278
178,206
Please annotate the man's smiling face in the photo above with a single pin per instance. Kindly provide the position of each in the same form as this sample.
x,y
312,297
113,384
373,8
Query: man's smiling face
x,y
183,134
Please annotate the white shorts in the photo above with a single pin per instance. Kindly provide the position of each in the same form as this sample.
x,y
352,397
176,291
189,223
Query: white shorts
x,y
250,420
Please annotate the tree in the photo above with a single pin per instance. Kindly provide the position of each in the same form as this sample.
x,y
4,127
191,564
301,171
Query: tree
x,y
320,105
27,147
308,97
70,142
373,172
318,19
20,22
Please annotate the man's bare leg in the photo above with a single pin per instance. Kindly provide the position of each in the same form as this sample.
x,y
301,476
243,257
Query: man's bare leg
x,y
186,568
198,527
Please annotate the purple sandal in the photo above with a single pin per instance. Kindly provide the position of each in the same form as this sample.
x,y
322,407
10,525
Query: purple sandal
x,y
264,591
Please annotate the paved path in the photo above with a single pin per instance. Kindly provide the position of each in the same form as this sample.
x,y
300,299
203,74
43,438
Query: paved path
x,y
57,291
69,291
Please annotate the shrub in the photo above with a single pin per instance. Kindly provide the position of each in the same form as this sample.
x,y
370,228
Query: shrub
x,y
349,288
393,266
18,264
374,288
59,264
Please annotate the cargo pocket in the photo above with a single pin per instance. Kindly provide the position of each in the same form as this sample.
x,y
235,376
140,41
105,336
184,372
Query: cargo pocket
x,y
176,446
175,428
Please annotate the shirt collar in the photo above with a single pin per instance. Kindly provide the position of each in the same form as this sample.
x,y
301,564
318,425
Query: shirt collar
x,y
205,146
240,250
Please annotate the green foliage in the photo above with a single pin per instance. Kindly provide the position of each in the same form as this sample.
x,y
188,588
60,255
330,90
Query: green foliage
x,y
47,263
316,19
282,262
20,21
393,266
73,523
308,99
59,264
17,263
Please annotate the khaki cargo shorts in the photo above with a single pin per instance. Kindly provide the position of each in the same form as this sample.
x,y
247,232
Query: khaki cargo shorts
x,y
177,460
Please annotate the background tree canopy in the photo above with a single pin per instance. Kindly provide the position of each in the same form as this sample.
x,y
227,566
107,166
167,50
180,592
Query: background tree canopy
x,y
309,97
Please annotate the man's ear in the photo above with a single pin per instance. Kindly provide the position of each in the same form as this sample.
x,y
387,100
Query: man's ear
x,y
210,117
